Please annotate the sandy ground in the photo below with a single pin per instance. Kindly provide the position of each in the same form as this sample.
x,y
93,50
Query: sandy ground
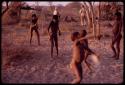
x,y
22,63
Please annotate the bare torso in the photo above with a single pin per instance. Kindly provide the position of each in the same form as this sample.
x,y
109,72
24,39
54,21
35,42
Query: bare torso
x,y
117,27
78,52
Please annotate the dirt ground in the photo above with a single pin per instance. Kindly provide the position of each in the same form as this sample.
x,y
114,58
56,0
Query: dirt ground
x,y
22,63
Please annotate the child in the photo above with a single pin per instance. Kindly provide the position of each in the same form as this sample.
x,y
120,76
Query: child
x,y
117,35
77,58
87,50
81,51
34,27
53,34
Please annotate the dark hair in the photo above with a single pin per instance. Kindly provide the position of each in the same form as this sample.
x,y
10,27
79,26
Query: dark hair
x,y
96,18
33,15
84,33
118,15
82,5
74,35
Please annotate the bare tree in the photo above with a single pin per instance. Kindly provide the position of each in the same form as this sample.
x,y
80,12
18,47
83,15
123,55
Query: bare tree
x,y
88,16
93,19
51,6
98,22
7,7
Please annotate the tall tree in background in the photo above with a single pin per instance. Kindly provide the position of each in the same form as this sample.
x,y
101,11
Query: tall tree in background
x,y
89,8
88,16
98,22
7,7
51,6
93,19
12,13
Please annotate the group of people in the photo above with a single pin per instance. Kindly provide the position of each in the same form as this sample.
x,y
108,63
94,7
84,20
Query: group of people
x,y
80,46
54,25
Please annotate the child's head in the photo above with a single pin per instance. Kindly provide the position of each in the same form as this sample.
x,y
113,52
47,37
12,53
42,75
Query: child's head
x,y
118,15
83,33
74,36
82,6
33,15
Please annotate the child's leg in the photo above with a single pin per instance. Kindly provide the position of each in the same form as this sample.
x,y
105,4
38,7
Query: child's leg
x,y
113,48
38,36
88,65
56,43
80,70
87,53
31,34
52,45
76,70
81,17
118,46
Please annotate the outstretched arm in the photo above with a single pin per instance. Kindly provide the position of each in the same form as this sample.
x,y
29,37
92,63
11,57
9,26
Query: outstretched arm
x,y
87,37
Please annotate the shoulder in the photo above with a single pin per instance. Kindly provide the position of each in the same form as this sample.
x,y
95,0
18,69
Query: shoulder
x,y
76,42
118,13
51,21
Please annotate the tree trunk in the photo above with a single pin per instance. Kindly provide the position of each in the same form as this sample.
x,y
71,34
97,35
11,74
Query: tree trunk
x,y
88,17
98,23
7,7
93,20
51,6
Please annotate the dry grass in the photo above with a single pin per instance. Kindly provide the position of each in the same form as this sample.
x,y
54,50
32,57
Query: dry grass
x,y
22,63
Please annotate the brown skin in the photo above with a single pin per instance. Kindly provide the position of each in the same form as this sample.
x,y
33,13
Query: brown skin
x,y
80,54
87,50
76,61
116,36
34,27
53,35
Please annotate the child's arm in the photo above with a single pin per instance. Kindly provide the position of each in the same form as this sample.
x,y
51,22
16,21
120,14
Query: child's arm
x,y
59,16
86,37
49,28
59,30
